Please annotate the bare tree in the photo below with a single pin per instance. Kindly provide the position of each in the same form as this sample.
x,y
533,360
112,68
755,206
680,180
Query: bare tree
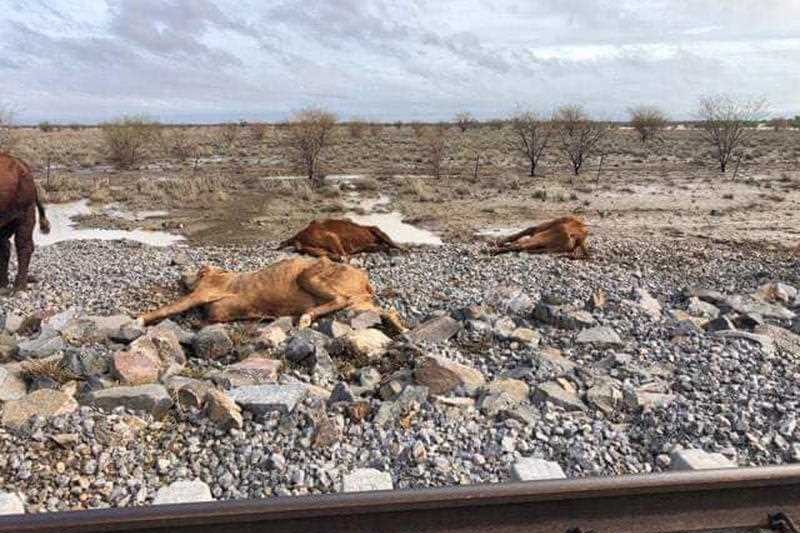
x,y
724,122
434,141
464,121
648,121
7,137
357,127
127,139
579,136
310,133
531,135
228,137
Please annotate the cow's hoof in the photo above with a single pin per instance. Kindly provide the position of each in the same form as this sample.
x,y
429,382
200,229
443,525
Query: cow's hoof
x,y
304,322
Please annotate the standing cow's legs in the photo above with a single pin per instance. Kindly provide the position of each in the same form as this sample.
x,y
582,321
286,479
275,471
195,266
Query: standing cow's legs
x,y
23,241
5,255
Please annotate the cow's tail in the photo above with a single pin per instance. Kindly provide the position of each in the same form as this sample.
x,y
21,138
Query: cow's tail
x,y
385,238
44,224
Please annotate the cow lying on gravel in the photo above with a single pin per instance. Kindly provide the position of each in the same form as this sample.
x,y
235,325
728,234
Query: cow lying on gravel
x,y
304,287
562,235
19,202
337,239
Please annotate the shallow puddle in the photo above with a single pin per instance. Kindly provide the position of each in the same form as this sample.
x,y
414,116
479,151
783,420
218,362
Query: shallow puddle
x,y
62,228
400,232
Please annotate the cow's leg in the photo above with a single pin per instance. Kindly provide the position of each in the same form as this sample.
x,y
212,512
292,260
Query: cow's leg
x,y
189,301
5,256
315,251
313,281
23,242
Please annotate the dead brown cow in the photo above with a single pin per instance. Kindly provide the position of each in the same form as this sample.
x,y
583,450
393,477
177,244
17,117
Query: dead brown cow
x,y
338,239
299,286
563,235
19,201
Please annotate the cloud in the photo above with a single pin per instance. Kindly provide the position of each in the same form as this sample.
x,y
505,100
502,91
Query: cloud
x,y
416,59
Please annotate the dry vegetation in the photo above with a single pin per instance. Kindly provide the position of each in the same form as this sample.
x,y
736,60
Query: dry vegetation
x,y
215,179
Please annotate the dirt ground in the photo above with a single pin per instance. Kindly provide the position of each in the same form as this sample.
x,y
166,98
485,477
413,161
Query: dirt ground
x,y
670,189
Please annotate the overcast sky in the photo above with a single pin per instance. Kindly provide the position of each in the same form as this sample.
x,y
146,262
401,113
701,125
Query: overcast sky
x,y
218,60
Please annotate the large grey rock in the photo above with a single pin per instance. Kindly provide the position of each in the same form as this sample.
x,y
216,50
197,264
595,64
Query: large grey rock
x,y
605,395
153,399
42,402
435,330
365,480
183,492
333,328
777,292
516,389
599,336
12,386
441,375
389,411
365,319
722,323
115,327
692,459
557,394
185,337
762,340
707,295
60,321
750,305
261,399
269,337
552,360
507,299
213,342
525,336
46,344
255,370
11,503
302,347
534,469
562,316
650,305
700,308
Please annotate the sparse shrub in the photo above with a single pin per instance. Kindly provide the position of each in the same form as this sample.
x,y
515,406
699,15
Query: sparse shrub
x,y
779,124
435,146
796,122
724,124
366,183
540,194
531,135
228,136
310,134
7,137
258,131
464,121
356,127
45,126
127,139
579,135
648,121
179,143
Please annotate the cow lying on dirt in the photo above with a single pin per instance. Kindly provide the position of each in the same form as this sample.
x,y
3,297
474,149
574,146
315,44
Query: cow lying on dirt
x,y
338,239
563,235
304,287
19,201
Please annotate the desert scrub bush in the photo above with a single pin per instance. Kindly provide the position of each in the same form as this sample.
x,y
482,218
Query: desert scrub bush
x,y
227,137
648,121
127,140
417,188
579,136
178,143
434,146
258,131
530,136
724,124
367,183
310,133
356,128
540,194
45,127
464,121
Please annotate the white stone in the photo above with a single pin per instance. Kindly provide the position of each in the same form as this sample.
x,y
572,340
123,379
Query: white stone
x,y
11,503
366,479
183,492
534,469
693,459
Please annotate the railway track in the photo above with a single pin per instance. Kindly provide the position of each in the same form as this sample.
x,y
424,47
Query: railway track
x,y
764,497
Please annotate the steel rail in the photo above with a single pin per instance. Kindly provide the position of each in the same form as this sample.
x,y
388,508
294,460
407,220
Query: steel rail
x,y
656,503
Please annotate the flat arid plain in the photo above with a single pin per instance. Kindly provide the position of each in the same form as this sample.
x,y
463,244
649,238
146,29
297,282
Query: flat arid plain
x,y
675,344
